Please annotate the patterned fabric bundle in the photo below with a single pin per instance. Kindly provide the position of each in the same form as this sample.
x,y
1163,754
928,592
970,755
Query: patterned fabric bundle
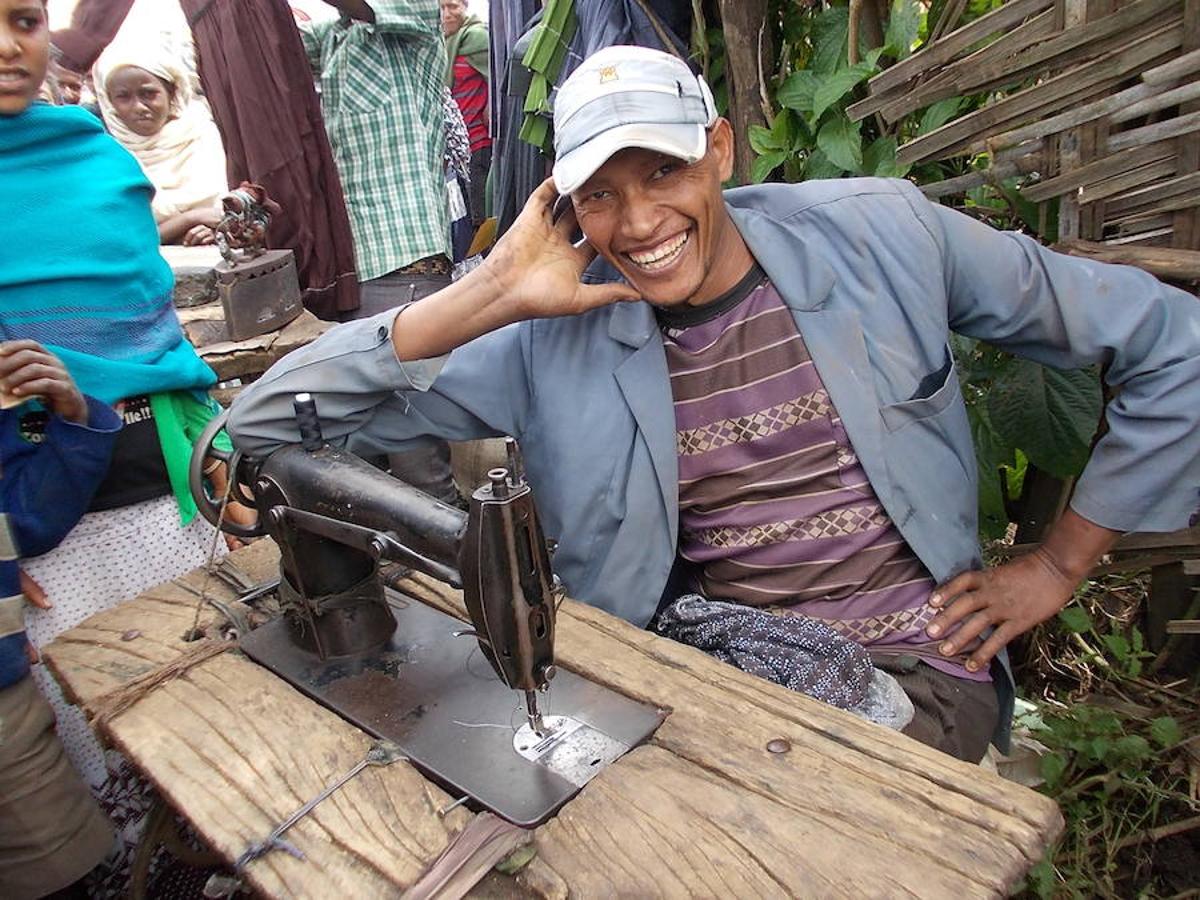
x,y
800,654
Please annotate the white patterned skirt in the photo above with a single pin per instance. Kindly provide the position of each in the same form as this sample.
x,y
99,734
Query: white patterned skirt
x,y
108,558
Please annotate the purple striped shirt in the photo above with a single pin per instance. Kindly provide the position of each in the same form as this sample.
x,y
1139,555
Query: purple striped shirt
x,y
774,508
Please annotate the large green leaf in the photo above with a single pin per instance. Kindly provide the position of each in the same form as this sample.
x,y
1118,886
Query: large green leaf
x,y
879,158
831,29
991,452
765,164
762,140
1048,413
818,165
938,114
904,22
797,91
839,140
783,129
833,87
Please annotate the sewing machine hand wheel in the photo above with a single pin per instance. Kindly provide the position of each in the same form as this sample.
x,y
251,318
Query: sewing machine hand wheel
x,y
209,506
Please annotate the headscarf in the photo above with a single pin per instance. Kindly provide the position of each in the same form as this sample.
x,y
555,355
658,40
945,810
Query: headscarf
x,y
471,41
185,161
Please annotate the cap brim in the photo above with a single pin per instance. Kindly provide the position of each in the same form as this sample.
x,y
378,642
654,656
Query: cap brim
x,y
571,170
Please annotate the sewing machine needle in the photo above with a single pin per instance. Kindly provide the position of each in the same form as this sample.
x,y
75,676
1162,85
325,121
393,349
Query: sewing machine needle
x,y
535,717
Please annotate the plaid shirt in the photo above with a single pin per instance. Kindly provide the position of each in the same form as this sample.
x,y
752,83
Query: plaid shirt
x,y
381,96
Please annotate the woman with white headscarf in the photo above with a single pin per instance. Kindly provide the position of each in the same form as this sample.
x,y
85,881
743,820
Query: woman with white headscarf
x,y
148,105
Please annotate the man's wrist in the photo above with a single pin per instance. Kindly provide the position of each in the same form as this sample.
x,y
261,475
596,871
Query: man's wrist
x,y
1075,545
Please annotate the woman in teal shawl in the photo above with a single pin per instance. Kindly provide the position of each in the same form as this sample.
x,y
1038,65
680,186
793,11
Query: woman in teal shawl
x,y
81,273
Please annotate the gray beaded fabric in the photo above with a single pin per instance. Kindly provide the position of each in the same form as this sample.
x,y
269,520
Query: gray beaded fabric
x,y
798,653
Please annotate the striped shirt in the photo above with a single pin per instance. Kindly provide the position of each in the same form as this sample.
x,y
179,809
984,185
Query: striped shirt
x,y
381,97
471,95
775,509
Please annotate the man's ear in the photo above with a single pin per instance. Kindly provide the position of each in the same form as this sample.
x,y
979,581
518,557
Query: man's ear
x,y
721,140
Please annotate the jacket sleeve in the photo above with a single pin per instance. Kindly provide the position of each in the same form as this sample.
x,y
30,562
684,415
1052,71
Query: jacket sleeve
x,y
45,493
369,402
1065,312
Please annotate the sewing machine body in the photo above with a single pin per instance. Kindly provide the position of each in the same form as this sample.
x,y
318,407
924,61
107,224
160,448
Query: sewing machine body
x,y
400,670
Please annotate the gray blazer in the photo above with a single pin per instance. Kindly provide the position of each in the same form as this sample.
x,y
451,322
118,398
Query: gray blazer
x,y
877,277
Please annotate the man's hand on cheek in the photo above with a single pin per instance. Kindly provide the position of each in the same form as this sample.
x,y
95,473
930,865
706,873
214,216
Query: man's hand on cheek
x,y
539,268
1012,598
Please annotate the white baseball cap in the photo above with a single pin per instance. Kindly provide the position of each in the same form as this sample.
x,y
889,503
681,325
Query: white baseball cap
x,y
624,96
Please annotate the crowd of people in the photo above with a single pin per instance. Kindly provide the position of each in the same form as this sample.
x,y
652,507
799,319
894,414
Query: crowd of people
x,y
102,395
775,465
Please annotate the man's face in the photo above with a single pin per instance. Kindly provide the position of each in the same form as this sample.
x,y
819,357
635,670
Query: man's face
x,y
662,222
70,85
24,53
141,100
453,13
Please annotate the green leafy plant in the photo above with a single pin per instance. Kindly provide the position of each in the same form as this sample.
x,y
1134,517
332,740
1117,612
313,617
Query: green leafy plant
x,y
810,135
1021,412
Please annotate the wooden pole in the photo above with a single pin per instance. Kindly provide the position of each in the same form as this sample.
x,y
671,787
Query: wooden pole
x,y
744,23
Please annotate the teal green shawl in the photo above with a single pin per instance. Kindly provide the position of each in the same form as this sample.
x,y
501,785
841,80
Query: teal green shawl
x,y
82,274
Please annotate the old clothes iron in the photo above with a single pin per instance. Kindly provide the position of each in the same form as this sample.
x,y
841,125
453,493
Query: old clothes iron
x,y
406,671
259,289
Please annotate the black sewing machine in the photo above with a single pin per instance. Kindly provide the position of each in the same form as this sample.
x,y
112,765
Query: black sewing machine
x,y
407,672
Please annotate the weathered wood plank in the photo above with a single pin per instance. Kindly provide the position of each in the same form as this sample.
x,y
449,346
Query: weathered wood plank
x,y
1156,102
1164,262
1098,171
1149,134
1185,224
851,809
837,769
946,82
667,828
1136,201
1050,95
1119,184
950,46
236,750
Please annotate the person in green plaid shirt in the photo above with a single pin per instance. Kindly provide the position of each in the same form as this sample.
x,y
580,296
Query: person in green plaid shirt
x,y
382,66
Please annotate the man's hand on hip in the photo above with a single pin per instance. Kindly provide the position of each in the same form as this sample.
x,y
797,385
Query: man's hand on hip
x,y
1014,597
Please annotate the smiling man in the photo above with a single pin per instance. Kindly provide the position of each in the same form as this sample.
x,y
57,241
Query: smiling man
x,y
749,394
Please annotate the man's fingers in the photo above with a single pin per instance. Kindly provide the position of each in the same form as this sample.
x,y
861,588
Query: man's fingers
x,y
542,199
982,657
593,296
33,591
567,223
945,621
966,581
967,633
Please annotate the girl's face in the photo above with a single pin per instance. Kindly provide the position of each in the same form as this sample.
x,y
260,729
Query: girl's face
x,y
142,101
24,53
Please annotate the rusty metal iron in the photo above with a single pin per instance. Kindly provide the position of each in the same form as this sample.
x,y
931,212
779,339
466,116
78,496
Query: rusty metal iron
x,y
259,288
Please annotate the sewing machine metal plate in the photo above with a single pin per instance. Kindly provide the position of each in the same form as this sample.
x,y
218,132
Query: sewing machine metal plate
x,y
433,693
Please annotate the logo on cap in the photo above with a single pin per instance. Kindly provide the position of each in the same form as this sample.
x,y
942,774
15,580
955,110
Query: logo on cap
x,y
607,74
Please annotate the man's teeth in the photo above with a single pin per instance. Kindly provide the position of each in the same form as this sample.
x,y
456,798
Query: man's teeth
x,y
661,255
11,77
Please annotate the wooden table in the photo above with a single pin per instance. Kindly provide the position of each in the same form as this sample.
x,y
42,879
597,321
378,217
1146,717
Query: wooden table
x,y
703,809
